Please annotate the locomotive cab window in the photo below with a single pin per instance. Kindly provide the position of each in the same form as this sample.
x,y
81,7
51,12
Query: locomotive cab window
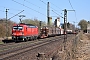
x,y
17,27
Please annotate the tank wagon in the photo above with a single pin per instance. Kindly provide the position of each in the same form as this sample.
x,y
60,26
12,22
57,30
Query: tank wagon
x,y
24,32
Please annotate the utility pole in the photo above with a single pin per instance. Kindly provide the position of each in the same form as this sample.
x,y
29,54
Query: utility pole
x,y
65,22
74,25
65,26
6,24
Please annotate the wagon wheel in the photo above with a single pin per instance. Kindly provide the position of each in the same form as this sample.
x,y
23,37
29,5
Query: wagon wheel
x,y
24,40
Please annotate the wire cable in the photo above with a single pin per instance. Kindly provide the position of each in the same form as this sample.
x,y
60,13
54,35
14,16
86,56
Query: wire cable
x,y
56,6
23,2
70,4
8,12
43,2
10,8
28,7
73,9
13,9
57,14
34,4
46,4
2,11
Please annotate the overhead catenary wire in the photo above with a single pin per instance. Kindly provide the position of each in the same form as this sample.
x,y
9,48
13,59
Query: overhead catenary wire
x,y
2,11
31,3
73,9
50,6
57,14
23,2
16,14
55,6
8,12
11,8
43,2
70,4
12,13
28,7
34,4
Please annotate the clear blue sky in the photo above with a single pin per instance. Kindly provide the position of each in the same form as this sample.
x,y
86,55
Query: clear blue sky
x,y
38,9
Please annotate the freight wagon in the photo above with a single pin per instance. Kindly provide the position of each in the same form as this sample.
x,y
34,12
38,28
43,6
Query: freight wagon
x,y
50,31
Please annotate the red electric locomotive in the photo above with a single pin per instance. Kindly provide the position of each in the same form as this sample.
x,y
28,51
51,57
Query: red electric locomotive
x,y
24,32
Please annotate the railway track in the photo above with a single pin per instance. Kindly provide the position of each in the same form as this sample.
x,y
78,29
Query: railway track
x,y
22,48
26,47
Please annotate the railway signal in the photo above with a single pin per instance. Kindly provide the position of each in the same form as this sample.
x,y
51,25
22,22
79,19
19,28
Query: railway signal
x,y
6,24
40,23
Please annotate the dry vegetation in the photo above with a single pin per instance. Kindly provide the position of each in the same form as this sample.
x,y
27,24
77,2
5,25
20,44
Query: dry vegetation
x,y
83,48
84,36
3,27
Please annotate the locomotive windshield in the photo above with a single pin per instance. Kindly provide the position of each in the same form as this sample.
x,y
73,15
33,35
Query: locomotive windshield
x,y
17,27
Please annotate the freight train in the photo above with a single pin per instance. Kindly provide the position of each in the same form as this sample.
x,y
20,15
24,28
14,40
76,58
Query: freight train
x,y
25,32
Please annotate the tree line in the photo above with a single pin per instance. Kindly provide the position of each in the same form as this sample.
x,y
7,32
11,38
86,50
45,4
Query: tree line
x,y
83,25
6,27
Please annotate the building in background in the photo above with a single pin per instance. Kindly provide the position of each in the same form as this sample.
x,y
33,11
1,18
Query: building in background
x,y
57,22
